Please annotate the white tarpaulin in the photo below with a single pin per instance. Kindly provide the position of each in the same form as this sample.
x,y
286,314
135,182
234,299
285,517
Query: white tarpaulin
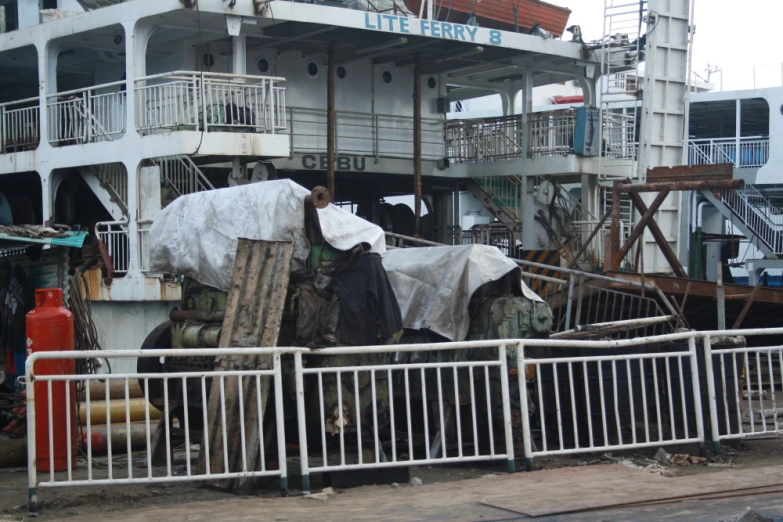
x,y
434,284
196,235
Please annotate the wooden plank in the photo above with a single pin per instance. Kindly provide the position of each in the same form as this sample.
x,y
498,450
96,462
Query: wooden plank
x,y
254,312
724,171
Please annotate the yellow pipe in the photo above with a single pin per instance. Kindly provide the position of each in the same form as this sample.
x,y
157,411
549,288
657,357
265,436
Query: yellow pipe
x,y
116,408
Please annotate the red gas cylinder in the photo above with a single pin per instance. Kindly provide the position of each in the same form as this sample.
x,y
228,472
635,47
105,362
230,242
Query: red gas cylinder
x,y
50,329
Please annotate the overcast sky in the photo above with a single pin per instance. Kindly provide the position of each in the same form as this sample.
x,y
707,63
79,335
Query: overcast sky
x,y
735,35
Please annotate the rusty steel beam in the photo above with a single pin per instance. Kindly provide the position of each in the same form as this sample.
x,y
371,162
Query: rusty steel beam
x,y
663,244
721,171
614,231
417,189
590,238
641,225
331,122
682,185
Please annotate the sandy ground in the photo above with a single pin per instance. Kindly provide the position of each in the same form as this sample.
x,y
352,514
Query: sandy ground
x,y
115,502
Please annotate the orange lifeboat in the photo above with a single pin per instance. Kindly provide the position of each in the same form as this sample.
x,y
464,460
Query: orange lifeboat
x,y
506,15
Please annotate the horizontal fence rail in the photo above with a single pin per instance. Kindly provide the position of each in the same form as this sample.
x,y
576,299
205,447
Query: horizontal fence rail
x,y
401,405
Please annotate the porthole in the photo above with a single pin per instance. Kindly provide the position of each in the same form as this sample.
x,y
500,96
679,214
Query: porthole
x,y
387,77
263,65
432,82
312,69
208,60
341,72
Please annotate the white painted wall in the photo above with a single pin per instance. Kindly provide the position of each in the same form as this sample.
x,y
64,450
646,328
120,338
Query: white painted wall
x,y
123,325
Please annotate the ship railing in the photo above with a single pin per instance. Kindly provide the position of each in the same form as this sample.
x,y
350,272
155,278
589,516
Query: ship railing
x,y
144,227
595,251
551,133
114,235
20,127
753,152
486,139
188,100
88,115
363,134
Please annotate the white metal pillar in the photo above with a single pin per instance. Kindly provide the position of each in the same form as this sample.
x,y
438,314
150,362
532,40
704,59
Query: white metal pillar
x,y
239,54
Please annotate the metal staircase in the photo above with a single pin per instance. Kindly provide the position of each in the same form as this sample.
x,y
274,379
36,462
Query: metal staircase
x,y
755,215
501,195
182,175
109,183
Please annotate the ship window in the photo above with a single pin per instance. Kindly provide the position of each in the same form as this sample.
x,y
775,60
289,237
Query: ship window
x,y
432,82
263,65
208,60
387,77
341,72
312,69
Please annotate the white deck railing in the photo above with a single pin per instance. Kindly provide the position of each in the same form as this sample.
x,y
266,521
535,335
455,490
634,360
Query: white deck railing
x,y
488,139
20,128
363,134
188,100
753,152
114,234
87,115
551,133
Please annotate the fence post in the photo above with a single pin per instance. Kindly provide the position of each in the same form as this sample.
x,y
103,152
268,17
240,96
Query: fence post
x,y
508,431
697,394
522,377
280,424
4,130
570,301
711,397
301,423
32,490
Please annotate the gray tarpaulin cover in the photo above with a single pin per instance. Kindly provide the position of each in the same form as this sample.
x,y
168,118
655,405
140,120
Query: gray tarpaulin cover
x,y
434,284
196,235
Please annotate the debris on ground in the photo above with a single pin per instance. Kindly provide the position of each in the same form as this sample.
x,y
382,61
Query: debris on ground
x,y
323,495
663,456
752,516
416,481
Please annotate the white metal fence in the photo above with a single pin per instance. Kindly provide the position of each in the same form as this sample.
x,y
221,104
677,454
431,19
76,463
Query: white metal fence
x,y
753,152
488,139
188,100
114,234
119,466
364,134
431,393
551,133
402,405
87,115
20,128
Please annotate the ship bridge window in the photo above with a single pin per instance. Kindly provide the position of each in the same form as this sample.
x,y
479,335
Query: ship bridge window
x,y
208,60
341,72
432,82
387,77
312,69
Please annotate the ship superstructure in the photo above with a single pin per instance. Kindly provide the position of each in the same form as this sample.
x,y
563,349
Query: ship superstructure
x,y
110,114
